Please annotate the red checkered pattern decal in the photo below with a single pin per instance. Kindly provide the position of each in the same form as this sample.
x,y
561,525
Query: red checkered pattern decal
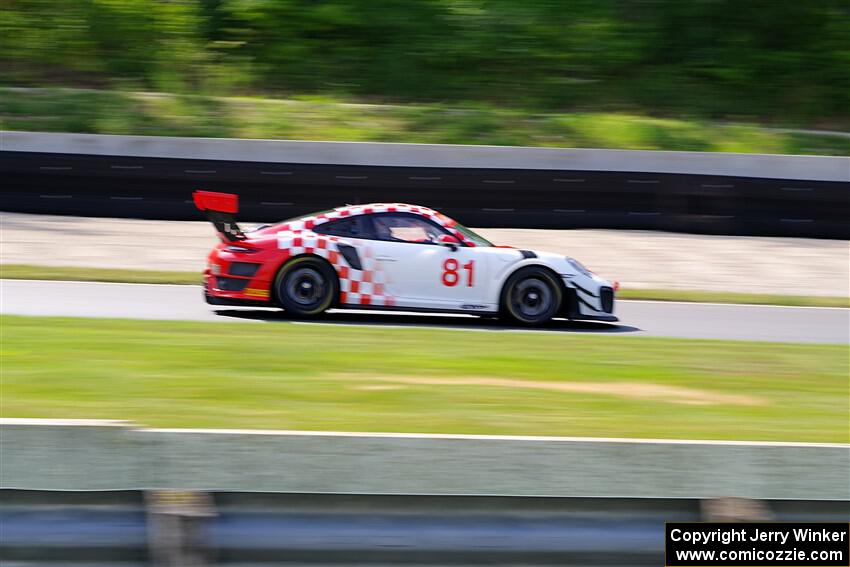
x,y
367,286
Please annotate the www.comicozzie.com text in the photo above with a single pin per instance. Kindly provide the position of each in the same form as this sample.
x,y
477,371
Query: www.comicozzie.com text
x,y
755,534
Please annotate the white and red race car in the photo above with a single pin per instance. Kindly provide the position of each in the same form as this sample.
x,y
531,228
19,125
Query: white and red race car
x,y
391,257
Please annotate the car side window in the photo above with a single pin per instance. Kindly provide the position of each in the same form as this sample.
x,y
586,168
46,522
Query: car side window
x,y
406,227
351,227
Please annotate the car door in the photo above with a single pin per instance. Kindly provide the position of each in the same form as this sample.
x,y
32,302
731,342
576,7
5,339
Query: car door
x,y
421,272
360,279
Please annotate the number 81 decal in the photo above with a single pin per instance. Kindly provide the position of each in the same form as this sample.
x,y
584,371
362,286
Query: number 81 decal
x,y
451,276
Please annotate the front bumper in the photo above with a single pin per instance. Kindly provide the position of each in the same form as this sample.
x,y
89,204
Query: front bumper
x,y
593,301
605,318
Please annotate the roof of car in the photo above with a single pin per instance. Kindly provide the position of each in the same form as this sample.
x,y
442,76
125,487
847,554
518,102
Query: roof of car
x,y
308,222
383,208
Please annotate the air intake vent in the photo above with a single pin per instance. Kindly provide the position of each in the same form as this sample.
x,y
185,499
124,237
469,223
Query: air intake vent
x,y
230,284
606,296
244,269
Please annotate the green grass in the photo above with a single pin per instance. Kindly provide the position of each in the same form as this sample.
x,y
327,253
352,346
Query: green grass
x,y
326,118
29,272
325,377
70,273
698,296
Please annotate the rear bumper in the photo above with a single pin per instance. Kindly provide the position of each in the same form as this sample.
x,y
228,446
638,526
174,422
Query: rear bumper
x,y
215,296
234,275
236,302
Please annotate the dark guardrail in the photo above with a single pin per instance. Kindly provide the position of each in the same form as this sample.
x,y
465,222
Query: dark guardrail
x,y
138,177
225,528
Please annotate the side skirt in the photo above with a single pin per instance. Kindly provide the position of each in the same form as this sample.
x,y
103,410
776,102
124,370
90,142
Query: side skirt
x,y
414,309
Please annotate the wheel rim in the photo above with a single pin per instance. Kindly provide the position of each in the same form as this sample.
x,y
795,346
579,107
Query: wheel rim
x,y
306,287
531,298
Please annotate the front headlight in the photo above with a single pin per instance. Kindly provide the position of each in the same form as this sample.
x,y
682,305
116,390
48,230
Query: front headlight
x,y
577,266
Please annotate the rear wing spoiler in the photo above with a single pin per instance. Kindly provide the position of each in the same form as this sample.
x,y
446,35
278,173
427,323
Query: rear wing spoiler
x,y
221,209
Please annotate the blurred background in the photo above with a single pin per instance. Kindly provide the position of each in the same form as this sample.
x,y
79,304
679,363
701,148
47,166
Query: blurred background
x,y
708,75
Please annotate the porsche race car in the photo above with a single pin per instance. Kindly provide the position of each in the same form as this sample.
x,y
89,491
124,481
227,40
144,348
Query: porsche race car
x,y
391,256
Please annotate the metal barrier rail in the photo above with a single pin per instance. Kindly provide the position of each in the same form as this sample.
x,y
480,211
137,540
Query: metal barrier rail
x,y
151,177
130,528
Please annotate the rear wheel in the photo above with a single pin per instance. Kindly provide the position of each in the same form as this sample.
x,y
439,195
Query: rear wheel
x,y
531,296
306,286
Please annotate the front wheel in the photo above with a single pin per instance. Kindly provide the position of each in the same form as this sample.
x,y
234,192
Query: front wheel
x,y
306,286
531,296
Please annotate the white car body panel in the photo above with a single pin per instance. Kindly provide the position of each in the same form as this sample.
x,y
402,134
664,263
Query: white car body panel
x,y
457,278
413,274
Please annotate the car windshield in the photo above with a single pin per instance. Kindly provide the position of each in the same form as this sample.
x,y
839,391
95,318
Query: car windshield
x,y
470,235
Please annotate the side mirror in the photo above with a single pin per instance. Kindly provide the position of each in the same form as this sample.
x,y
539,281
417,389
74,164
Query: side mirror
x,y
449,241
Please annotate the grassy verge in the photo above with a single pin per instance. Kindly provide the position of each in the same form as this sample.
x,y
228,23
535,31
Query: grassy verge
x,y
323,118
319,377
70,273
697,296
28,272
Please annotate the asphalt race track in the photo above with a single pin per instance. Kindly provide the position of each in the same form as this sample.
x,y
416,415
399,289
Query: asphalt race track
x,y
638,318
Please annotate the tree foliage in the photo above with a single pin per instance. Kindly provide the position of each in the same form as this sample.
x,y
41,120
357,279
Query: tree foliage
x,y
779,61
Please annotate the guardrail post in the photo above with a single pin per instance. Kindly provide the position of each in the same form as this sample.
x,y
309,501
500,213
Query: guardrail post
x,y
175,525
736,510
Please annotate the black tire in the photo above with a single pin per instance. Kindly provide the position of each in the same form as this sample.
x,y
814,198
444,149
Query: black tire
x,y
531,296
306,286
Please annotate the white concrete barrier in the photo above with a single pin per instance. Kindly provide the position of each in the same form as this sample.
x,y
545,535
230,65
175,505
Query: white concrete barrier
x,y
108,455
